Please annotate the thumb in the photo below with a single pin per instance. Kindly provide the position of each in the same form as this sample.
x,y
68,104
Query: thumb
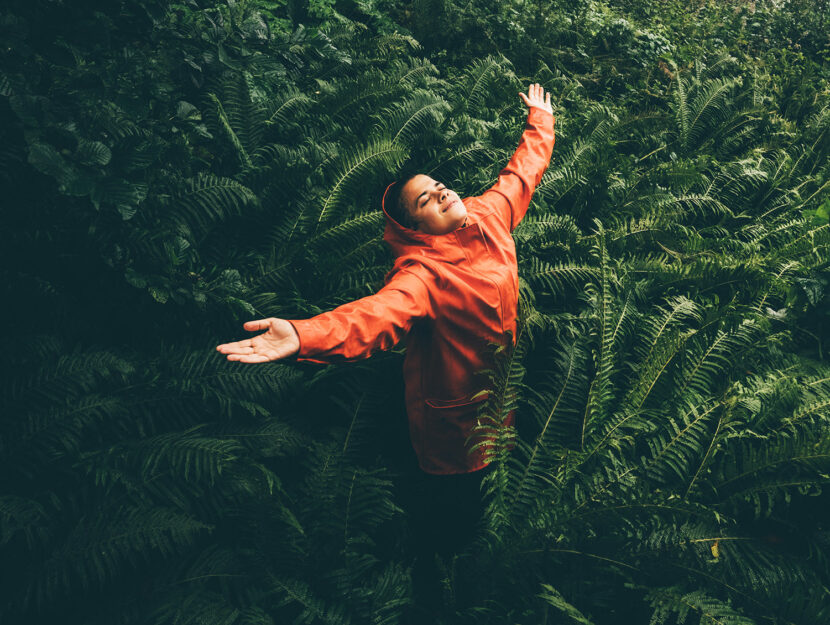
x,y
259,324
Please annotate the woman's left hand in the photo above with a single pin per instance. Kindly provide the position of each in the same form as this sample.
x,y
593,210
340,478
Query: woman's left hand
x,y
536,97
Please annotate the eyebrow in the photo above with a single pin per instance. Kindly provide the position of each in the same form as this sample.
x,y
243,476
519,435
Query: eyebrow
x,y
418,199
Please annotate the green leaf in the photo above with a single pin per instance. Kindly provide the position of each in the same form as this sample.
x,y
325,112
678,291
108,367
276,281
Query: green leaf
x,y
554,598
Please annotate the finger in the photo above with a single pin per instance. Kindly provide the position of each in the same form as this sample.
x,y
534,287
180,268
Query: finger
x,y
524,98
260,356
241,351
226,348
259,324
249,358
547,97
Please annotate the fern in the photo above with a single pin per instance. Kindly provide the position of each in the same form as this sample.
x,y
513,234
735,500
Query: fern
x,y
96,549
407,121
555,599
673,601
204,163
476,82
207,200
354,169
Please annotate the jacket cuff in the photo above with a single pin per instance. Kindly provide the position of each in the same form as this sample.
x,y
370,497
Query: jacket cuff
x,y
536,115
305,327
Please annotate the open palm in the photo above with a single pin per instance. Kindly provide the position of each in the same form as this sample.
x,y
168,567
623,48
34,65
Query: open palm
x,y
537,97
279,340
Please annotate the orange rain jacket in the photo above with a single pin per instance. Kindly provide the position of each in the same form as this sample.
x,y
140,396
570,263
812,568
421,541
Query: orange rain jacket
x,y
450,295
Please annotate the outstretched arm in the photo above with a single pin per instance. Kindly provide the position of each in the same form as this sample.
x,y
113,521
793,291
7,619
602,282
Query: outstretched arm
x,y
352,331
512,192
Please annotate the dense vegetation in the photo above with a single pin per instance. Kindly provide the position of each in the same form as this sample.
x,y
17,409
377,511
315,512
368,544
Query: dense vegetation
x,y
172,169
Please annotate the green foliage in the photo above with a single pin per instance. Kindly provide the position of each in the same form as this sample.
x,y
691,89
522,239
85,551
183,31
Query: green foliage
x,y
170,170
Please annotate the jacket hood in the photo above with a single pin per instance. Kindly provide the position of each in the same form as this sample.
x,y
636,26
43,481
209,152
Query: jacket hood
x,y
405,241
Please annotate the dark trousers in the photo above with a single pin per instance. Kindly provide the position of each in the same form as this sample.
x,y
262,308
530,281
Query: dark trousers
x,y
445,513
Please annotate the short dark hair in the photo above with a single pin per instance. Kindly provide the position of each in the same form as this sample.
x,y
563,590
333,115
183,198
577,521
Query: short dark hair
x,y
394,202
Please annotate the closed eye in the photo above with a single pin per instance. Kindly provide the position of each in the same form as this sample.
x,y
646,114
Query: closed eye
x,y
424,203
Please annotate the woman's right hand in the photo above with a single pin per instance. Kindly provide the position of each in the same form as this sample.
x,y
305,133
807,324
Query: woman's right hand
x,y
280,340
537,97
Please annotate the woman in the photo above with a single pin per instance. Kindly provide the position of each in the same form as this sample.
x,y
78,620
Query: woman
x,y
453,290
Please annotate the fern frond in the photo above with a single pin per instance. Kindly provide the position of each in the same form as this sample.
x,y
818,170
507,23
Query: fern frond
x,y
286,108
64,377
389,44
452,162
709,108
601,389
228,131
405,121
707,361
350,98
680,444
476,82
555,599
682,112
187,455
673,603
357,167
100,545
299,595
556,277
350,232
365,279
207,200
543,231
659,344
20,515
763,472
411,70
200,606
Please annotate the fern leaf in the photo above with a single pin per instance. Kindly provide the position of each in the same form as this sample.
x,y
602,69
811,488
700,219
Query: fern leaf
x,y
406,121
674,603
357,167
554,598
207,200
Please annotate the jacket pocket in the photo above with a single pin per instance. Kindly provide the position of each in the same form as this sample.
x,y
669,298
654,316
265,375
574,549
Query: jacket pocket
x,y
449,422
468,400
451,430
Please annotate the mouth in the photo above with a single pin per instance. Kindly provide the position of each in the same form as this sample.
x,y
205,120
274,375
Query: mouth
x,y
449,206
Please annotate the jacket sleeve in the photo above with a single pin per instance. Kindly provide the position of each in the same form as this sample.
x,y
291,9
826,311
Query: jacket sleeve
x,y
356,330
512,192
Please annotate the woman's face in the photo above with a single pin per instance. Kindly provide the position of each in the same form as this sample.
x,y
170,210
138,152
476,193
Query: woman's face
x,y
435,208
